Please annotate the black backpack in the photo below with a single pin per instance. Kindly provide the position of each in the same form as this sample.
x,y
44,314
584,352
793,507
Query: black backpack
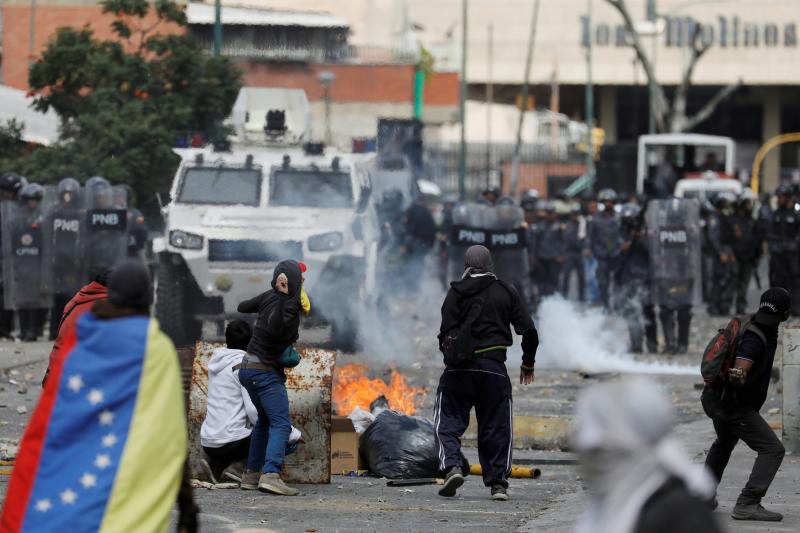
x,y
458,344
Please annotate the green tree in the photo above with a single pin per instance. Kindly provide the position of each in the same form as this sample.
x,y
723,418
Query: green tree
x,y
124,102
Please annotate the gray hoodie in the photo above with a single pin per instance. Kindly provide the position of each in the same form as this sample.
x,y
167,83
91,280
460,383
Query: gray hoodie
x,y
230,413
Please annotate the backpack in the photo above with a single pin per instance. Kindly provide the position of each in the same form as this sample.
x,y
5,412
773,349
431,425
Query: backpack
x,y
458,344
720,353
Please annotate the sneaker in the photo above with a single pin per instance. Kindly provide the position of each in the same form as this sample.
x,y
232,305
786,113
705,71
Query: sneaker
x,y
250,480
234,472
206,468
273,484
755,511
499,493
453,480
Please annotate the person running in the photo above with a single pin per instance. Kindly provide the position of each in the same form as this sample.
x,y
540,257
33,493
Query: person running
x,y
483,382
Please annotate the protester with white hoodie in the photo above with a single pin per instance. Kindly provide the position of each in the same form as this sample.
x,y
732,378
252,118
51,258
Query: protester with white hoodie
x,y
230,414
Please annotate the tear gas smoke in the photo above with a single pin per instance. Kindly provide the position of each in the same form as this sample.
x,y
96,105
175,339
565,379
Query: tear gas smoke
x,y
575,339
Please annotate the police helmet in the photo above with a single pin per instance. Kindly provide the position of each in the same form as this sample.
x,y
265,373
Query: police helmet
x,y
506,200
11,182
530,194
32,191
630,211
96,182
747,195
724,198
68,185
607,195
494,191
784,190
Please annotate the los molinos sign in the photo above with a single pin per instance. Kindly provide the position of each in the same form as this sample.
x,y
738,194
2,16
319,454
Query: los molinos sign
x,y
726,32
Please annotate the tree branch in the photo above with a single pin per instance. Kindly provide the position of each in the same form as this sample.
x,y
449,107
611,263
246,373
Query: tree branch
x,y
678,114
711,105
660,99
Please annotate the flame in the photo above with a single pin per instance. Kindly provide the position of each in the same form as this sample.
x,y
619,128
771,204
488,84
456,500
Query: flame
x,y
352,388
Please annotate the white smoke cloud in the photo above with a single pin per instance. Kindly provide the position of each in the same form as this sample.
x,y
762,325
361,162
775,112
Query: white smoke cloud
x,y
587,340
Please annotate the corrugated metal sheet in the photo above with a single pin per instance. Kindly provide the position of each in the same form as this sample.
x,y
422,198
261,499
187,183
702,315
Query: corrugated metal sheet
x,y
309,388
197,13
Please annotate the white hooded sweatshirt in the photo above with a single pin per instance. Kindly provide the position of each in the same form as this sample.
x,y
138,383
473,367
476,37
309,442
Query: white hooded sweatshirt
x,y
230,414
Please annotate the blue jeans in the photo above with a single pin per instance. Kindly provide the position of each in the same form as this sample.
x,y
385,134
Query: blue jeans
x,y
268,441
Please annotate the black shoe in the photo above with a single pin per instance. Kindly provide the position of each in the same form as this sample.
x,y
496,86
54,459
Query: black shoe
x,y
452,482
755,511
499,493
652,347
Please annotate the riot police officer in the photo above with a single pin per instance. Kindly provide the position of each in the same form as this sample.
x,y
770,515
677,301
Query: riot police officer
x,y
633,281
106,240
10,185
721,240
782,242
549,251
65,225
28,251
747,246
604,241
574,237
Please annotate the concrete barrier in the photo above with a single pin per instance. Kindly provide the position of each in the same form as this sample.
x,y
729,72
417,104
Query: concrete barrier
x,y
791,387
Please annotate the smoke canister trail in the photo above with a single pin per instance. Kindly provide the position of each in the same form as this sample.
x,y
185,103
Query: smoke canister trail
x,y
586,340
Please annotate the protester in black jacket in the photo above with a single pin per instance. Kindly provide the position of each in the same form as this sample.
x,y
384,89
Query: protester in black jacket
x,y
261,373
483,383
734,408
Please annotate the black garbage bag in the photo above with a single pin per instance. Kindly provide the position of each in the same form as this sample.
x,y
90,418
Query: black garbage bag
x,y
398,446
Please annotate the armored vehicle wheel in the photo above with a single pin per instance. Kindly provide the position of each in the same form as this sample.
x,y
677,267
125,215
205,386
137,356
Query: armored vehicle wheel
x,y
175,287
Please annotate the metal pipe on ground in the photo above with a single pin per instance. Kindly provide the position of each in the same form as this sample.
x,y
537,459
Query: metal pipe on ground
x,y
519,472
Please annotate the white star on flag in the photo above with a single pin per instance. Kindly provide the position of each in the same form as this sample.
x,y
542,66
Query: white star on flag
x,y
75,383
106,418
109,440
88,480
68,497
95,396
43,505
102,461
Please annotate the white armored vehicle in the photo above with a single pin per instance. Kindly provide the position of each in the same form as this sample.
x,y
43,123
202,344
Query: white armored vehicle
x,y
234,215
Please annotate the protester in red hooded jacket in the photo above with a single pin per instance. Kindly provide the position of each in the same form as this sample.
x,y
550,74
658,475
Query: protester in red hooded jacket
x,y
79,304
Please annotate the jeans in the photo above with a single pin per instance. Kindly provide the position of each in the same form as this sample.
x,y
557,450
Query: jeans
x,y
270,434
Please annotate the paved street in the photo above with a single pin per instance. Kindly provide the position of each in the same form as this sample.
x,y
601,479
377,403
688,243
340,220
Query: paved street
x,y
357,504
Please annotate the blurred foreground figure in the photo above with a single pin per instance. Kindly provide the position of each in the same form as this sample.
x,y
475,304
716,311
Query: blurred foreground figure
x,y
734,401
105,447
477,315
640,480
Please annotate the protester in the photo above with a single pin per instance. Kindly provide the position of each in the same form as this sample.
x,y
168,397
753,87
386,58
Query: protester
x,y
106,446
262,374
77,306
230,413
734,407
639,478
483,382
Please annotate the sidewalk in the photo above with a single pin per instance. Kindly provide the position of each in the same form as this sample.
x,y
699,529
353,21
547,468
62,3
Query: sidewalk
x,y
697,437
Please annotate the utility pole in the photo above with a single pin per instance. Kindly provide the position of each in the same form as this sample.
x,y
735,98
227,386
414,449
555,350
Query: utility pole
x,y
589,99
462,97
217,27
525,89
489,102
32,34
652,11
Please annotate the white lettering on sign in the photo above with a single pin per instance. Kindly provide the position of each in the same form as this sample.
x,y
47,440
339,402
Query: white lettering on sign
x,y
27,252
61,224
507,239
478,237
673,237
105,219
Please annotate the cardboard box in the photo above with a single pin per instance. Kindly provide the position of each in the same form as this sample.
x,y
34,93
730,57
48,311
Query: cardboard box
x,y
344,445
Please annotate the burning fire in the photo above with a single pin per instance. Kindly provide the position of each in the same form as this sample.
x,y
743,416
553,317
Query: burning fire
x,y
352,388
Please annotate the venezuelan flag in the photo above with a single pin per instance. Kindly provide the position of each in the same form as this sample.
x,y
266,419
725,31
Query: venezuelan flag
x,y
105,447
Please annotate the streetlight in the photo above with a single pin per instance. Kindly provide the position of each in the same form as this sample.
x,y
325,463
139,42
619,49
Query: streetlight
x,y
326,79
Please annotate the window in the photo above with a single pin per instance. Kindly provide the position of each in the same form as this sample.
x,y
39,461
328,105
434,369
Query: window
x,y
221,185
311,188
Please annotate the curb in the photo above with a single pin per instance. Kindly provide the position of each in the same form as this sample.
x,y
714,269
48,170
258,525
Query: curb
x,y
536,432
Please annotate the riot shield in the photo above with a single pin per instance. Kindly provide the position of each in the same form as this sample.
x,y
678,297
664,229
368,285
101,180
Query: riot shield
x,y
673,232
106,232
500,230
27,266
66,225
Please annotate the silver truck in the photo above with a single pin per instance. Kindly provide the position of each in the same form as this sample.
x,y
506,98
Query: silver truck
x,y
234,215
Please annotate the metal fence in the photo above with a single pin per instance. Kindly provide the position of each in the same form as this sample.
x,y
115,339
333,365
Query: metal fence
x,y
541,166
